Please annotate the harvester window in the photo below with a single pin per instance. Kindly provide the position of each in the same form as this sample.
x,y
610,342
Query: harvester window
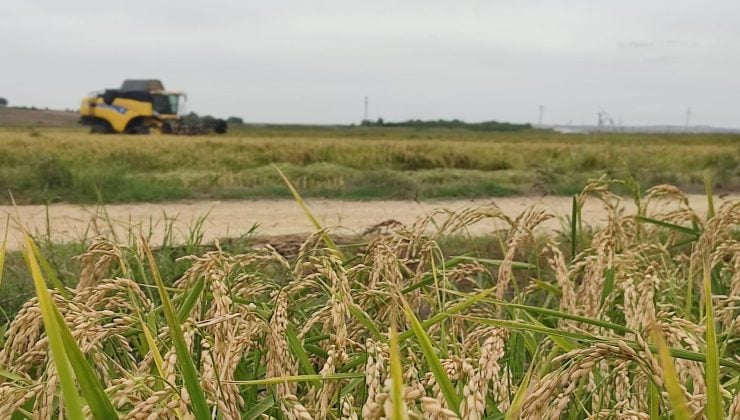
x,y
165,104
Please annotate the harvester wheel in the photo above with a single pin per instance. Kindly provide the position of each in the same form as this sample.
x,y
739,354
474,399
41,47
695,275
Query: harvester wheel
x,y
101,127
220,127
166,128
139,128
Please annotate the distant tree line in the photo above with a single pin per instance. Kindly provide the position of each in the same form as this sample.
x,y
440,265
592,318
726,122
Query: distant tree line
x,y
479,126
46,108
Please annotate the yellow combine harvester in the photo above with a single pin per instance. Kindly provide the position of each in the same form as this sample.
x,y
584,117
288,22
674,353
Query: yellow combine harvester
x,y
140,106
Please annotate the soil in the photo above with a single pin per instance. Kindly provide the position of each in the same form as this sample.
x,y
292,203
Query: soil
x,y
23,117
230,219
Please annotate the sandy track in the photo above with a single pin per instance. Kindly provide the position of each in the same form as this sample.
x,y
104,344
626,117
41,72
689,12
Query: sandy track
x,y
275,217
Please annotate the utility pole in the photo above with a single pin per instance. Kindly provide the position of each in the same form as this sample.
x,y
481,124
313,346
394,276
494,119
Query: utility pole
x,y
367,103
688,119
542,112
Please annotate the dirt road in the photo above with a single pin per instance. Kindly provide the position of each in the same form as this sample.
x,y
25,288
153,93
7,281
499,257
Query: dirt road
x,y
66,222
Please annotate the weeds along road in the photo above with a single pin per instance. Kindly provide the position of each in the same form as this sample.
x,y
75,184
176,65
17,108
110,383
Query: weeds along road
x,y
67,222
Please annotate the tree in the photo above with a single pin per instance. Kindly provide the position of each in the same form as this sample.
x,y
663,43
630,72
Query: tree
x,y
235,120
3,102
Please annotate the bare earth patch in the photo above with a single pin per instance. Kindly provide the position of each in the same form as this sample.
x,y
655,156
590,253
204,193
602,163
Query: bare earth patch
x,y
20,117
65,222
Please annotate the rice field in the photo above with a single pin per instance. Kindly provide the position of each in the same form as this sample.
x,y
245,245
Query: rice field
x,y
636,320
66,165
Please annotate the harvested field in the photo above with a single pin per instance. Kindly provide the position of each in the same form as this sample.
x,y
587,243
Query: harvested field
x,y
22,117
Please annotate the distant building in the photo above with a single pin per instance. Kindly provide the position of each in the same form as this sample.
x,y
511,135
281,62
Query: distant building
x,y
3,102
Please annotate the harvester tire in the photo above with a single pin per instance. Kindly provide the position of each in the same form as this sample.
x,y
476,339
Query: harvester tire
x,y
137,129
166,128
220,127
101,127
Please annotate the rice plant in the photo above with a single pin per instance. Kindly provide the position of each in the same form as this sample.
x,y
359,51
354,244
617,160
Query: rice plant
x,y
640,321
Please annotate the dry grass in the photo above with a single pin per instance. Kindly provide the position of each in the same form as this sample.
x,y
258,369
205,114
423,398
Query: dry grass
x,y
568,337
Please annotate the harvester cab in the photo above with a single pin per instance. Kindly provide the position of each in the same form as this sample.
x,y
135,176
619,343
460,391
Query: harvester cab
x,y
139,106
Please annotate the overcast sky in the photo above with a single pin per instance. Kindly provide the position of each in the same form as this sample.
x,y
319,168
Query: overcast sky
x,y
644,61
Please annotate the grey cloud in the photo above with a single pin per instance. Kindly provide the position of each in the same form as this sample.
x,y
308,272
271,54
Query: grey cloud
x,y
295,61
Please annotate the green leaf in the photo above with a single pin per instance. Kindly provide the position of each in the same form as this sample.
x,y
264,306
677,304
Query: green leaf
x,y
514,264
516,325
555,291
185,360
324,236
12,376
562,342
92,388
50,273
429,278
398,406
250,395
672,383
563,315
157,356
677,228
304,363
353,362
297,378
445,385
654,402
689,299
714,408
710,196
256,411
363,319
65,373
441,316
516,404
574,228
608,285
353,383
191,298
3,247
315,350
